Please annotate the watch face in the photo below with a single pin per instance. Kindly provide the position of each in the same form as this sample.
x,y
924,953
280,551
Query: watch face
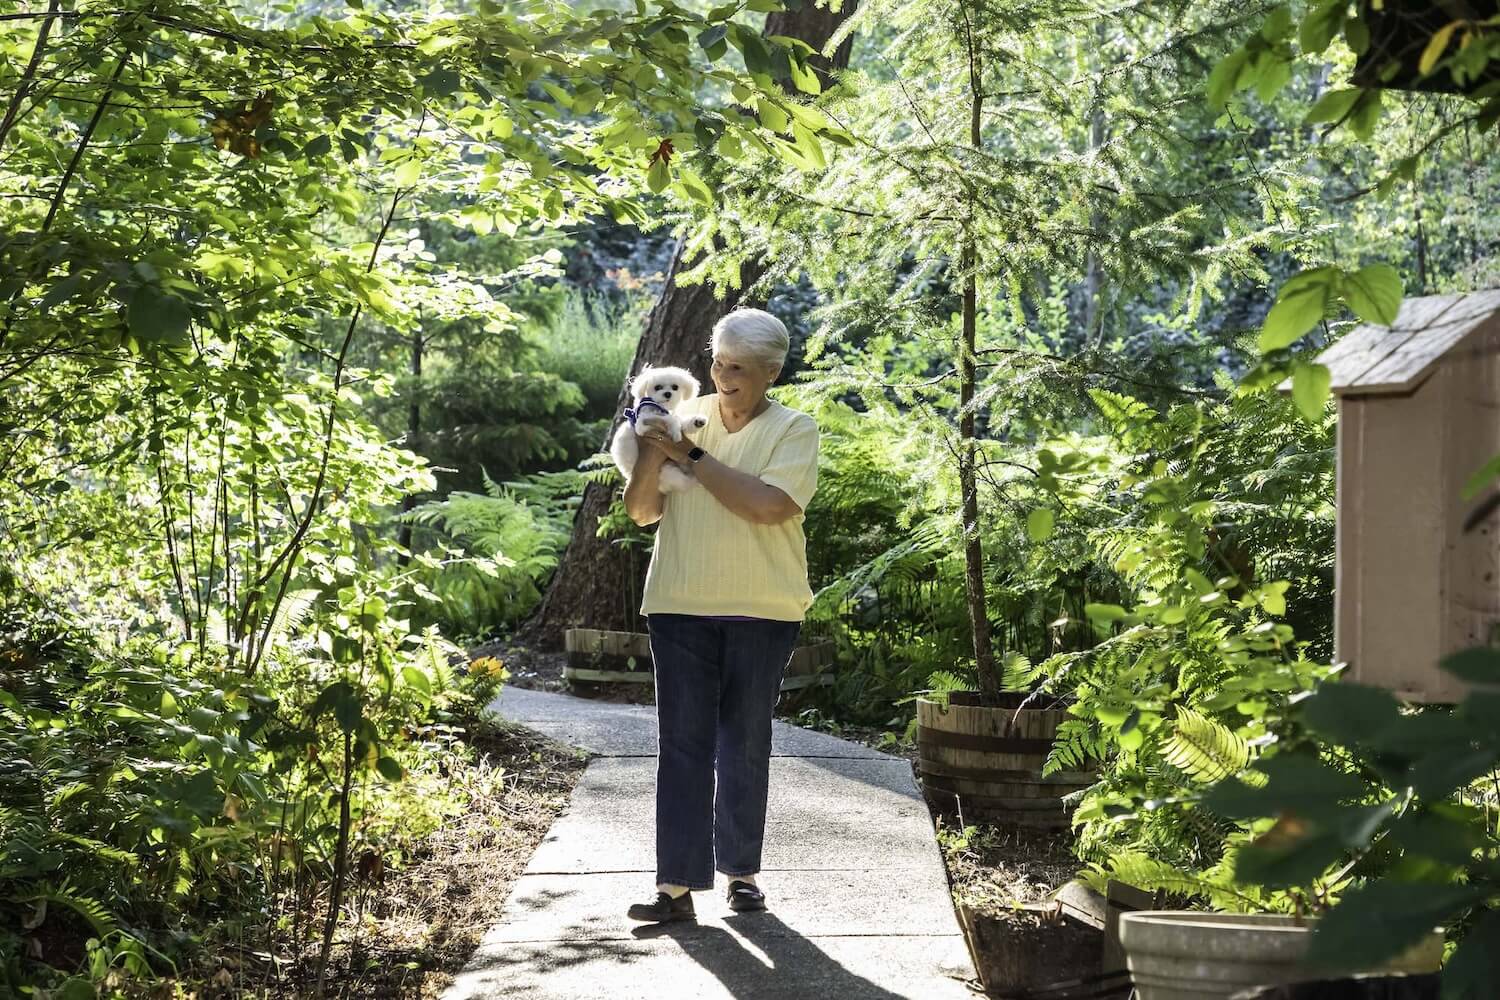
x,y
696,454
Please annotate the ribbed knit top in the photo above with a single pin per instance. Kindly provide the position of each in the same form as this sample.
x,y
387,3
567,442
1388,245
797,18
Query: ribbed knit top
x,y
708,560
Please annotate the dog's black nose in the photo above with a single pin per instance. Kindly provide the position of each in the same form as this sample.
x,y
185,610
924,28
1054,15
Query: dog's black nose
x,y
668,395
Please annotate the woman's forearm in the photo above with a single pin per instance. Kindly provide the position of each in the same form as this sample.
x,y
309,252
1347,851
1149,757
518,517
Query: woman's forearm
x,y
745,495
643,499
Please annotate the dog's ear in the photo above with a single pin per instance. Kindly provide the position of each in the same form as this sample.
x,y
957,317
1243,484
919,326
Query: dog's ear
x,y
692,385
638,384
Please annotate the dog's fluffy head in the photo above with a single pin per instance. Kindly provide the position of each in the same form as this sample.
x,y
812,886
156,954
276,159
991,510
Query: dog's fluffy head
x,y
667,386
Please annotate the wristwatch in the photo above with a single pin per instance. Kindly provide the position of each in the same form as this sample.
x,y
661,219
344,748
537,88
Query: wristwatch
x,y
696,453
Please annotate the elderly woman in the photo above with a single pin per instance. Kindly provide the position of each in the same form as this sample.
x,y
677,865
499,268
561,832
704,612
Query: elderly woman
x,y
724,599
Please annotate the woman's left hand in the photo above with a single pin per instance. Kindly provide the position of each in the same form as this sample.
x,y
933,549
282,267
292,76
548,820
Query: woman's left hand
x,y
675,450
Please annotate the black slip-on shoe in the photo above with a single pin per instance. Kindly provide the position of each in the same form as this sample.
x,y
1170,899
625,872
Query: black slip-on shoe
x,y
665,909
744,896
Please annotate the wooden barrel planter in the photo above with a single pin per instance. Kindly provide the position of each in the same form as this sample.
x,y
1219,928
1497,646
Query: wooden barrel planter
x,y
601,656
991,759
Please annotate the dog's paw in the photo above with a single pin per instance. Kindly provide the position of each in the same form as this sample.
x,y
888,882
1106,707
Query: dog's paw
x,y
700,422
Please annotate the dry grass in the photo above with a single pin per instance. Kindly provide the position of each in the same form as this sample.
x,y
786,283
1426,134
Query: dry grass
x,y
996,867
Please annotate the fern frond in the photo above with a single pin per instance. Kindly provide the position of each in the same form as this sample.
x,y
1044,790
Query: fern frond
x,y
90,909
1078,741
1206,749
1144,872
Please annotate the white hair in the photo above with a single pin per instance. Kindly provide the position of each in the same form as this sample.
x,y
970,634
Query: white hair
x,y
754,334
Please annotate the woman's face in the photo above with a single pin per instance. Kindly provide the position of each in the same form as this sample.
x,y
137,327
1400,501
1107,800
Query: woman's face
x,y
741,380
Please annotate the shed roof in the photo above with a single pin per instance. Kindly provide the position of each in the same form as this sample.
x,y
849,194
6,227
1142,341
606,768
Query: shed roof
x,y
1396,359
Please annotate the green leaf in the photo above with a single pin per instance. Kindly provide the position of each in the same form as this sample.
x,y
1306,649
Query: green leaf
x,y
61,291
1296,782
1333,106
1474,969
712,36
389,769
1477,665
155,315
1446,832
1376,922
1357,34
347,711
804,78
319,146
757,56
1273,74
1223,80
1103,612
658,176
693,185
417,679
771,115
1436,46
1374,293
1039,524
1321,24
1366,114
1310,389
1300,304
1481,479
1350,713
1285,865
807,142
408,173
440,82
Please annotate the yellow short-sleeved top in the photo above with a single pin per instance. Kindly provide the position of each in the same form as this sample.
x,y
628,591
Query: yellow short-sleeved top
x,y
709,560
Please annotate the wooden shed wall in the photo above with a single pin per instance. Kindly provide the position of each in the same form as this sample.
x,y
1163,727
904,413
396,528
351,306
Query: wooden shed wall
x,y
1411,586
1389,536
1472,558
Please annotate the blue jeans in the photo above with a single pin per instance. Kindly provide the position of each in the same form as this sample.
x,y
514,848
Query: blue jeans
x,y
717,683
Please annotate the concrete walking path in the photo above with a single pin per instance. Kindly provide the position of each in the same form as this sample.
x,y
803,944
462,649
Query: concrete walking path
x,y
858,899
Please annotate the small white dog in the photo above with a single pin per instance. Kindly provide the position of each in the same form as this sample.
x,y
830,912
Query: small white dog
x,y
657,392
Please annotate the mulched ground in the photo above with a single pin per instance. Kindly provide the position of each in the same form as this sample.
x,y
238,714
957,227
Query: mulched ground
x,y
422,924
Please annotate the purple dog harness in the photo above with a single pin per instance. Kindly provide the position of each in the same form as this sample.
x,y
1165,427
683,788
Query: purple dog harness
x,y
641,410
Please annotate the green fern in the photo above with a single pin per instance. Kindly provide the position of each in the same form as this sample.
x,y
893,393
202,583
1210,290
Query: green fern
x,y
1216,885
1206,749
1077,743
90,909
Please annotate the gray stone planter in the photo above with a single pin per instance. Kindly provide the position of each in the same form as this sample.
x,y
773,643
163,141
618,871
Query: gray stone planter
x,y
1182,955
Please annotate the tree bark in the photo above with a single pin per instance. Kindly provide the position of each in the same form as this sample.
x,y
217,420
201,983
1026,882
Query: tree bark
x,y
974,586
413,430
598,582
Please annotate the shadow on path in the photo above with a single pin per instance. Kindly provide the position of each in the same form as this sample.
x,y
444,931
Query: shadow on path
x,y
799,968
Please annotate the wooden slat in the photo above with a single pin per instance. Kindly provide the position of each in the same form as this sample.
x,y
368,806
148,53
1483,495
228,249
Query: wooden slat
x,y
947,769
1367,345
1414,361
811,658
610,676
983,743
1374,344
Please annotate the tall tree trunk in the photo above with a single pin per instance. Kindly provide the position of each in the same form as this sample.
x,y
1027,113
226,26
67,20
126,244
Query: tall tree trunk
x,y
1093,328
413,428
979,619
598,582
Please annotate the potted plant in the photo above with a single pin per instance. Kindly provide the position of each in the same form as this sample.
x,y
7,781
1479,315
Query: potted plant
x,y
1423,859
